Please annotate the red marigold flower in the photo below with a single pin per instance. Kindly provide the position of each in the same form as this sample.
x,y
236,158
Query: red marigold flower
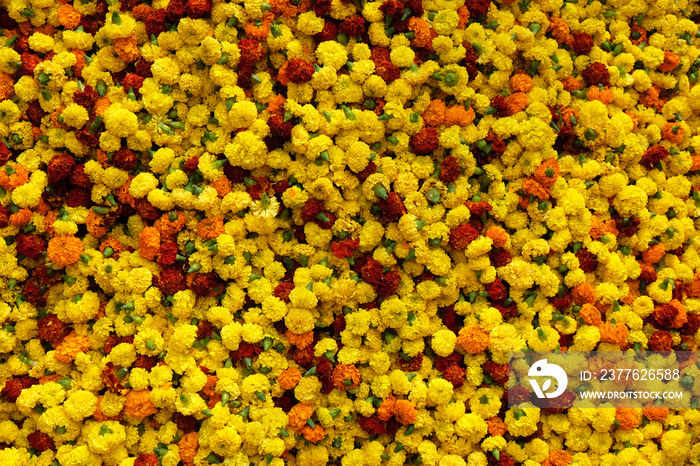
x,y
498,372
146,362
451,320
501,105
143,68
29,62
33,292
372,272
87,97
299,70
692,326
12,389
155,22
353,26
477,7
330,28
303,356
653,155
379,54
648,274
462,236
392,208
251,50
665,316
563,302
175,9
204,329
412,364
52,329
279,127
5,153
661,340
442,363
518,395
387,70
205,284
167,253
171,280
322,8
344,248
389,284
596,73
256,190
187,424
91,140
132,81
339,324
558,404
146,210
372,425
59,168
426,141
147,460
190,164
455,375
370,169
79,178
78,197
587,261
198,8
30,245
125,159
41,441
282,291
449,169
312,208
479,208
583,43
497,290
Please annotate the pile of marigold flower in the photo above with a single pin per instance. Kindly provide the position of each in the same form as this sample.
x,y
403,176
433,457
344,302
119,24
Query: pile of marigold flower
x,y
309,232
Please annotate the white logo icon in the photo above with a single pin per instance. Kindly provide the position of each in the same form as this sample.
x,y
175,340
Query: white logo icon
x,y
543,369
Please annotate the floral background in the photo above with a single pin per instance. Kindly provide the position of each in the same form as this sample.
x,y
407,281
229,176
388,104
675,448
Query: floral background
x,y
309,232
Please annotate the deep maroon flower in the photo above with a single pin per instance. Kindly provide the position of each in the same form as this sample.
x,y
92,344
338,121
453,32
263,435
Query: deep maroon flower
x,y
389,284
155,23
167,253
87,97
386,70
279,127
198,8
583,43
498,372
344,248
282,291
477,7
59,168
79,178
41,441
330,28
653,155
30,245
462,236
146,362
353,26
497,290
455,375
299,70
392,208
78,197
596,73
449,169
146,210
587,261
370,169
171,280
52,329
205,284
125,159
372,425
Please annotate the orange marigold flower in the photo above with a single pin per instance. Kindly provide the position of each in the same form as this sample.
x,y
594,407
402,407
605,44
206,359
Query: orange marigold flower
x,y
387,408
276,104
64,250
127,48
530,186
517,102
654,412
101,106
6,85
99,415
142,11
583,293
261,32
346,377
498,235
627,417
405,412
149,243
650,97
22,217
188,445
313,435
671,62
521,82
558,458
654,253
424,33
604,95
559,29
473,339
113,243
590,314
289,378
434,115
459,115
210,228
571,84
13,175
695,166
547,173
673,132
222,186
70,347
68,16
496,426
169,228
615,334
300,341
49,378
97,225
299,414
463,13
138,404
599,228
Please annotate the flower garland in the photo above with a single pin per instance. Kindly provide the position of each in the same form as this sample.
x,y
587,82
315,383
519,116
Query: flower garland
x,y
309,233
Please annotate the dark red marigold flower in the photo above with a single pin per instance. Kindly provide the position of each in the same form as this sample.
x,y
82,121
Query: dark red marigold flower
x,y
12,389
372,425
389,284
282,291
330,29
198,8
132,81
87,97
665,316
587,261
497,290
59,168
299,70
304,356
372,272
462,236
443,362
30,245
648,274
175,9
279,127
596,73
155,23
167,253
261,185
344,248
518,395
653,155
563,302
379,54
204,329
91,140
78,197
353,26
692,326
312,208
392,8
79,178
205,284
146,210
411,365
29,62
146,362
52,329
477,7
498,372
322,8
143,68
499,103
171,280
190,165
370,169
5,153
148,460
455,375
583,43
449,169
33,292
41,441
661,340
480,208
387,70
124,159
339,324
426,141
559,404
392,208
